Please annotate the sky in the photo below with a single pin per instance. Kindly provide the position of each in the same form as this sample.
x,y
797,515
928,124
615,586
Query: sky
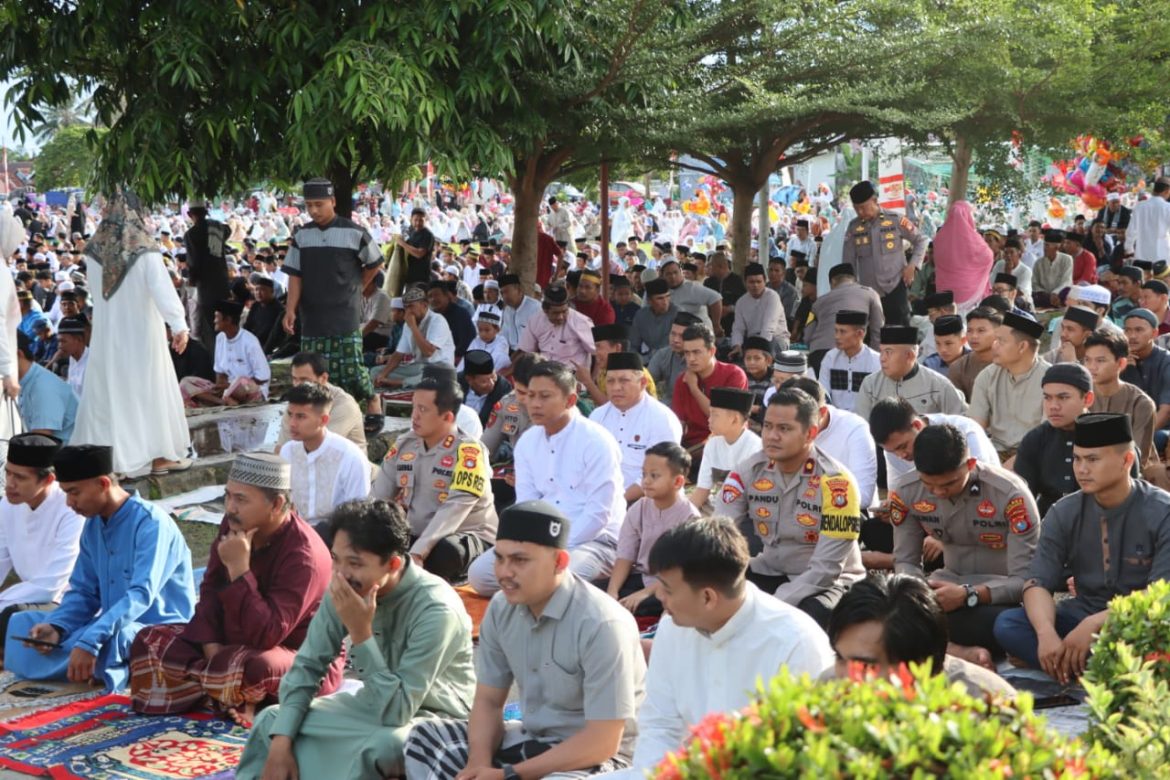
x,y
7,133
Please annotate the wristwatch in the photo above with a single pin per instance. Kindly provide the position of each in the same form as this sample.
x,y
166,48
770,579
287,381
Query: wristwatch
x,y
510,772
972,600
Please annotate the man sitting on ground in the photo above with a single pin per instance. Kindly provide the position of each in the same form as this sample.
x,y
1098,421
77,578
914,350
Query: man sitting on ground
x,y
47,404
264,581
327,469
440,476
982,323
580,686
1007,399
691,399
903,376
1044,459
846,366
241,368
482,386
134,570
426,339
345,416
410,646
40,536
988,525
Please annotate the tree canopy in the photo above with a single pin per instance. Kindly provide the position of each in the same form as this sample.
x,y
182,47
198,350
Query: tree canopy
x,y
67,160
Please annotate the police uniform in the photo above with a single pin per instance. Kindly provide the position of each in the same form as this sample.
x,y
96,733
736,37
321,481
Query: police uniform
x,y
874,248
507,421
446,493
807,524
988,531
1110,552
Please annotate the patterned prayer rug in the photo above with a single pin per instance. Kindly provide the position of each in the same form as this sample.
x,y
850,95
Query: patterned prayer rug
x,y
476,606
22,697
104,739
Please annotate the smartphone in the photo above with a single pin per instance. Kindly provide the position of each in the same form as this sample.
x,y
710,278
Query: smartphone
x,y
38,642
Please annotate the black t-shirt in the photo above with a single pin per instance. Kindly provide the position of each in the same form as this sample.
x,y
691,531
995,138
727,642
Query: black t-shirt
x,y
418,269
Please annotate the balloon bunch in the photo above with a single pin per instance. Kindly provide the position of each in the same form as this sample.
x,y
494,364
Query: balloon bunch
x,y
699,204
1093,174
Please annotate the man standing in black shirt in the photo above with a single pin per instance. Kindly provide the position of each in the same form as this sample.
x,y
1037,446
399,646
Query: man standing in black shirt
x,y
206,241
419,247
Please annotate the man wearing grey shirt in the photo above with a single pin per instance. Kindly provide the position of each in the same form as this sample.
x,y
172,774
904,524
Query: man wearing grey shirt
x,y
573,652
693,298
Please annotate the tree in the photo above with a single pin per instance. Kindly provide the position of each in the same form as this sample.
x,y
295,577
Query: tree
x,y
201,98
67,160
56,118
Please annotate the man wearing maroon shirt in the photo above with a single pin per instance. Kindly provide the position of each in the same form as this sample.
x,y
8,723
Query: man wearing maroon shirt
x,y
264,581
1084,261
590,301
548,252
692,390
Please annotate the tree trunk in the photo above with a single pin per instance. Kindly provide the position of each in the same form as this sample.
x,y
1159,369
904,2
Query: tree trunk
x,y
527,191
743,199
343,184
764,231
959,174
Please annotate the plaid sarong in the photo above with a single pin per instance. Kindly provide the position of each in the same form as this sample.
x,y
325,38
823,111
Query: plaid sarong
x,y
347,368
170,675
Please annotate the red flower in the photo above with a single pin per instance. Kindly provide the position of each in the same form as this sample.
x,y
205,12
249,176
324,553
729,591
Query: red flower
x,y
815,725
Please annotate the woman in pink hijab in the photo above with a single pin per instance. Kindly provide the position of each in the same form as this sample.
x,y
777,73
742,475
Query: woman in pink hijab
x,y
962,259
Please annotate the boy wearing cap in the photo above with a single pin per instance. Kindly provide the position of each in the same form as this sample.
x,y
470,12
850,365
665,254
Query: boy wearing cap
x,y
757,365
440,476
40,535
846,366
633,416
487,339
988,524
846,295
1129,280
134,570
241,368
73,337
1044,458
802,507
410,646
1007,398
482,387
873,246
662,506
731,442
625,308
1084,261
580,687
377,316
759,313
950,343
901,375
1114,536
1076,326
266,576
1052,272
650,328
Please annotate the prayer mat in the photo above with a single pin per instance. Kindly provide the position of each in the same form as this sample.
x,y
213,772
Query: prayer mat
x,y
347,368
476,606
398,398
104,739
22,697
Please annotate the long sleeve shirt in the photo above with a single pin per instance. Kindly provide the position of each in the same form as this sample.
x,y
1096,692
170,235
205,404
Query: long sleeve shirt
x,y
578,470
41,546
638,428
1052,276
927,391
570,343
418,660
134,568
335,472
1148,235
763,316
847,438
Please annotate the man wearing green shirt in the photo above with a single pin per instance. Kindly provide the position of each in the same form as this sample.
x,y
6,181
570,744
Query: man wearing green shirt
x,y
411,649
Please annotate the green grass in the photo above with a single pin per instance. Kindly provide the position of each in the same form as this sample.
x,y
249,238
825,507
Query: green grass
x,y
200,537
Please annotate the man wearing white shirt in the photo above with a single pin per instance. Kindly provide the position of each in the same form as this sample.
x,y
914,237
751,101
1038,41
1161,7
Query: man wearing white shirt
x,y
636,420
425,339
71,336
559,223
1033,244
240,363
518,309
845,436
845,367
572,463
327,469
894,425
40,536
720,630
1148,236
803,242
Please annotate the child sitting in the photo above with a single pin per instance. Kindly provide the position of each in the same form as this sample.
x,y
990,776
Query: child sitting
x,y
662,507
624,306
757,363
731,442
487,324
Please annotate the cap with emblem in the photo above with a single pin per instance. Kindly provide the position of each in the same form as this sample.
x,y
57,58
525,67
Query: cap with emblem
x,y
317,189
1071,374
1028,327
1008,279
1102,429
939,299
34,450
538,522
489,314
791,361
757,342
657,287
899,334
857,319
841,269
1083,317
948,325
414,294
84,461
478,362
861,192
733,399
614,332
623,361
262,470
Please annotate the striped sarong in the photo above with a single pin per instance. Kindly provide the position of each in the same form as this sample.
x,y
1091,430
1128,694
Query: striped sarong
x,y
347,368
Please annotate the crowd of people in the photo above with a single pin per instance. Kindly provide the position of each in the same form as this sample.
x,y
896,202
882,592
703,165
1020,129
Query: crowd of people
x,y
671,478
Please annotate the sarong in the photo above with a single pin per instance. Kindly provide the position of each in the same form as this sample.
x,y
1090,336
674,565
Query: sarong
x,y
347,368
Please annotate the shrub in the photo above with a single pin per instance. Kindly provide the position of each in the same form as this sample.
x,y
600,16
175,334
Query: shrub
x,y
914,726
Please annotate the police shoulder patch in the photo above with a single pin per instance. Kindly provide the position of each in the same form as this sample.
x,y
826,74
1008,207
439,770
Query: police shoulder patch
x,y
840,508
1017,515
732,488
898,509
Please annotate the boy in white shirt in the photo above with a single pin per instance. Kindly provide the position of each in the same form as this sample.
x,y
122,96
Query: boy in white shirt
x,y
662,507
241,367
731,442
487,323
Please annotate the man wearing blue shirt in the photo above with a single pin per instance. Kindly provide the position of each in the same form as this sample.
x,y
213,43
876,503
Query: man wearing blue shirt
x,y
134,570
47,403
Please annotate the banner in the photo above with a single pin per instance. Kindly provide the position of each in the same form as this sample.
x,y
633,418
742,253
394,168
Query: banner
x,y
891,181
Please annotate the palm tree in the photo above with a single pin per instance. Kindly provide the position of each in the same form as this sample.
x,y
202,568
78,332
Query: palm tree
x,y
79,111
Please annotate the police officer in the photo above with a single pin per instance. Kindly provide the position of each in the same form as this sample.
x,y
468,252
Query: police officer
x,y
873,245
1113,534
987,522
441,478
801,506
506,423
